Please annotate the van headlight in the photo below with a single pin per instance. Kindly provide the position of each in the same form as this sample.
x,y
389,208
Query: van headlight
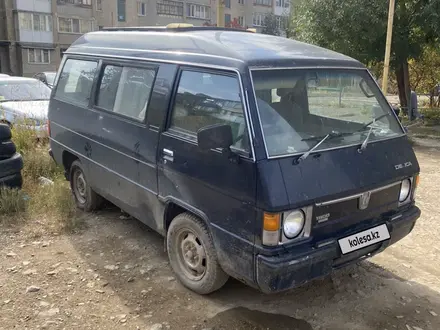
x,y
405,190
293,224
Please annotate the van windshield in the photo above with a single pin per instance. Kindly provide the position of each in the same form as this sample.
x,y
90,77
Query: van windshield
x,y
298,107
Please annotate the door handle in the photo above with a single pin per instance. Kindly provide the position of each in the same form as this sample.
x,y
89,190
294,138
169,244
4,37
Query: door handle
x,y
168,155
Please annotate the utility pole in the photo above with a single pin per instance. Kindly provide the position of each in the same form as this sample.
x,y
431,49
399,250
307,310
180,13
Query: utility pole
x,y
386,67
220,16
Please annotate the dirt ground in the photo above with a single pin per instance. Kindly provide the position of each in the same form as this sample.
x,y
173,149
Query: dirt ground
x,y
114,274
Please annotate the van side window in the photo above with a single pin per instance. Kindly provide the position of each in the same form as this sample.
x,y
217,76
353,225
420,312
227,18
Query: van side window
x,y
125,90
205,99
76,80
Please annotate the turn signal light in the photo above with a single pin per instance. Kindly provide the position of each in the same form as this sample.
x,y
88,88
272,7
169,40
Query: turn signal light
x,y
271,221
271,229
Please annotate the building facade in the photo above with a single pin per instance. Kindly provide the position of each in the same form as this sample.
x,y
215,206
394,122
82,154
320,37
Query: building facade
x,y
35,33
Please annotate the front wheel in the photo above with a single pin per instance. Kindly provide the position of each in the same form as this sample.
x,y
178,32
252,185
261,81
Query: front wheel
x,y
192,255
86,199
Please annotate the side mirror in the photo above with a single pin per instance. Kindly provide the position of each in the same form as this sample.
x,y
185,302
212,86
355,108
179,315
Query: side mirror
x,y
215,136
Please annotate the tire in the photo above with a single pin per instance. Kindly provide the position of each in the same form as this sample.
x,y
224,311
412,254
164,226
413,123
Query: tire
x,y
5,132
86,199
186,230
12,181
11,165
7,149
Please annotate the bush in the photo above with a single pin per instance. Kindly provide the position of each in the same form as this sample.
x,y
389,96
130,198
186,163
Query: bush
x,y
432,116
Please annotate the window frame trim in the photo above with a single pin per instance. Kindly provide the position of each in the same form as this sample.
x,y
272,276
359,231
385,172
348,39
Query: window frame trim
x,y
180,135
97,83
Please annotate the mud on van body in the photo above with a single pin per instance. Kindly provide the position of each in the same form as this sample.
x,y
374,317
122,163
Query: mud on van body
x,y
257,157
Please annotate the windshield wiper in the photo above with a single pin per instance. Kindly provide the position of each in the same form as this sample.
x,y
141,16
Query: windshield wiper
x,y
373,121
332,135
321,141
364,144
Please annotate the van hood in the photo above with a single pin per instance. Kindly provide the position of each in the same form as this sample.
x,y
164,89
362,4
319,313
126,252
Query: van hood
x,y
334,174
28,109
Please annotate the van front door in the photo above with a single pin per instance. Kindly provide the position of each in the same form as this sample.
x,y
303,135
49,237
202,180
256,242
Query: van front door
x,y
221,191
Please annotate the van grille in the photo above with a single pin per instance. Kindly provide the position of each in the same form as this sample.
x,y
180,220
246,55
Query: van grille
x,y
333,216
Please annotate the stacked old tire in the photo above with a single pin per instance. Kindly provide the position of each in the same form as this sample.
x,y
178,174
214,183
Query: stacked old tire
x,y
11,162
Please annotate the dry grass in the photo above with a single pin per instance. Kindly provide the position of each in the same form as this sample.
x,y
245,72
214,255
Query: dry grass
x,y
40,207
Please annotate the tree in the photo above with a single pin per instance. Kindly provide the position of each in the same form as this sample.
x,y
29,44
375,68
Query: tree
x,y
271,25
358,29
425,73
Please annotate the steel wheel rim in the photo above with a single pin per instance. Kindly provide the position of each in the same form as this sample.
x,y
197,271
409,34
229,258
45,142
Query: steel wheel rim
x,y
191,255
80,186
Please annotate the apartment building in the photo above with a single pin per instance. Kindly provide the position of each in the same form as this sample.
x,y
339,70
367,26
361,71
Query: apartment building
x,y
35,33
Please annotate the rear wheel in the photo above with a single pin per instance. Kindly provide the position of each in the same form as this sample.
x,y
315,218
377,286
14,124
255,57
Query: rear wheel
x,y
86,199
192,255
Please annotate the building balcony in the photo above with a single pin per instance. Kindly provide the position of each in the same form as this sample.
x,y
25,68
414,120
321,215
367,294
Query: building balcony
x,y
79,3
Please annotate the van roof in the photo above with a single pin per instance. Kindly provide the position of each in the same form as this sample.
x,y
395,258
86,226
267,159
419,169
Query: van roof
x,y
209,46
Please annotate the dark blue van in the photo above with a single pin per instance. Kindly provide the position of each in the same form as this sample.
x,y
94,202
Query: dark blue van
x,y
257,157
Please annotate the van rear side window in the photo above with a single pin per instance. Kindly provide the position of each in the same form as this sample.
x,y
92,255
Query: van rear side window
x,y
125,90
76,81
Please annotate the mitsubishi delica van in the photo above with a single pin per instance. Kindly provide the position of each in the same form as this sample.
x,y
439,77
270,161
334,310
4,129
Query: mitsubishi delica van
x,y
256,157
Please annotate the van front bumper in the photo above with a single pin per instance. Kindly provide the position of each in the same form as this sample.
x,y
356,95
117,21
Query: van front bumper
x,y
290,270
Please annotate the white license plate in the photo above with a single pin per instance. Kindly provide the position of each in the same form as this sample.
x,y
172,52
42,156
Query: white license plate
x,y
364,238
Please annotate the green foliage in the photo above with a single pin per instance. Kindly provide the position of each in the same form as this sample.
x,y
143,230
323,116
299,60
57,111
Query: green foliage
x,y
425,72
432,116
358,29
270,25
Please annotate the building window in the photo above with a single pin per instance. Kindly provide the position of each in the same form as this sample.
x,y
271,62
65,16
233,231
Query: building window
x,y
74,25
35,22
258,19
282,3
142,8
241,21
99,5
76,2
125,90
198,11
121,11
263,2
227,3
205,99
241,2
227,19
38,56
170,8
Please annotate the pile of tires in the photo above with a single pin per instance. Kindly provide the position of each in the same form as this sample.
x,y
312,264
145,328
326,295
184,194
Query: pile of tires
x,y
11,162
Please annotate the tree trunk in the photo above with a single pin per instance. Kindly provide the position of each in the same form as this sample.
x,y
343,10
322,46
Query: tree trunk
x,y
402,77
401,88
